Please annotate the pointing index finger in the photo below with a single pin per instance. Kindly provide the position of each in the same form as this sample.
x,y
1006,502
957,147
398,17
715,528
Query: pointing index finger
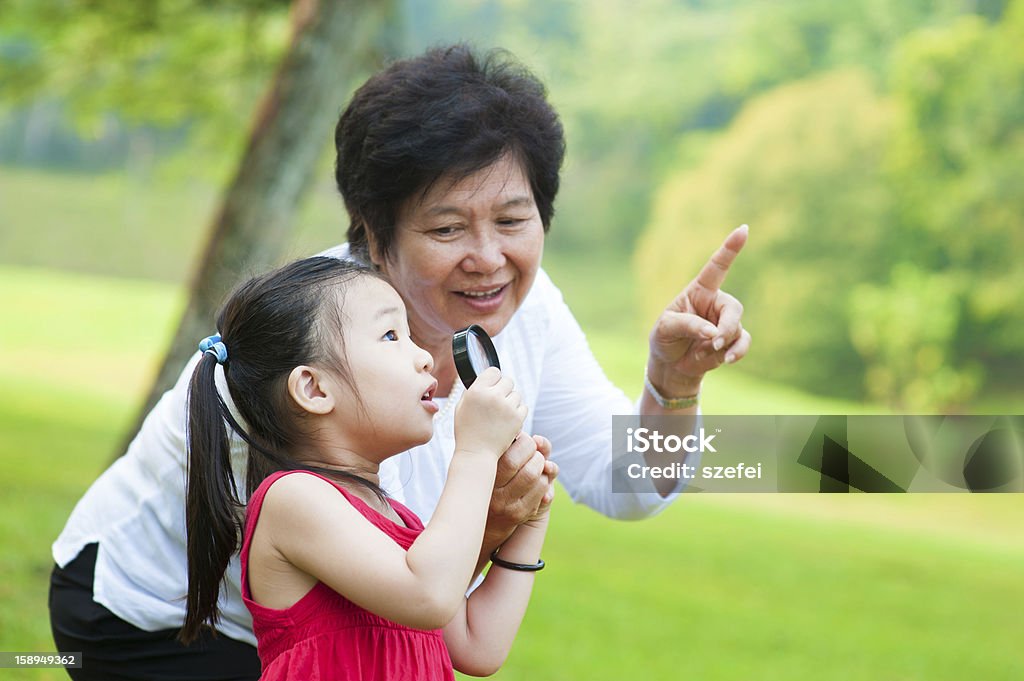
x,y
712,275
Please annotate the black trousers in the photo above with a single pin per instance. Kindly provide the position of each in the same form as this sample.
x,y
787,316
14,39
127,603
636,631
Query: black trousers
x,y
114,650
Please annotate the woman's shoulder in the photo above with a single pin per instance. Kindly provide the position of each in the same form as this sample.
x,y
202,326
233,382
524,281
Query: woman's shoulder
x,y
542,309
543,287
340,251
543,300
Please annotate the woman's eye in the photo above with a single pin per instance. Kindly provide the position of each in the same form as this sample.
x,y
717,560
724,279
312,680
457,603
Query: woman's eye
x,y
444,231
391,335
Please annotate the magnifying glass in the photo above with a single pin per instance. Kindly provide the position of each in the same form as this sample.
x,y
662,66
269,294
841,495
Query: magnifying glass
x,y
474,353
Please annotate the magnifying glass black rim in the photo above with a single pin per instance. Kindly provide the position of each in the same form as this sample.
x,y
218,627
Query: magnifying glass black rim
x,y
460,349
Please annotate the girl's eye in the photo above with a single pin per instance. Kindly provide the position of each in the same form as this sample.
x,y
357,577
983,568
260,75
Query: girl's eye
x,y
391,335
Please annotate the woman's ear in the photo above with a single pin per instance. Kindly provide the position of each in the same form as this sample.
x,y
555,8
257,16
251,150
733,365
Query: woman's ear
x,y
312,390
373,248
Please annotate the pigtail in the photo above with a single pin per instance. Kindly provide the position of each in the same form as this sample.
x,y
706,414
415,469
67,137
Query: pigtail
x,y
211,500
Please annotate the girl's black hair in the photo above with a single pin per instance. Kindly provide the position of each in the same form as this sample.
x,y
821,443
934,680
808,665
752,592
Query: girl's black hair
x,y
270,325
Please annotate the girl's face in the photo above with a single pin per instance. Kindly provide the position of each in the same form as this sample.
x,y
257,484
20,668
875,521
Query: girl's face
x,y
390,372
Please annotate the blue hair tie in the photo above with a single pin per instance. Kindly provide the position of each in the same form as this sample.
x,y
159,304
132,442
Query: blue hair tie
x,y
214,346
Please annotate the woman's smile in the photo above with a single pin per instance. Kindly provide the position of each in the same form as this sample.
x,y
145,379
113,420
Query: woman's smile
x,y
484,300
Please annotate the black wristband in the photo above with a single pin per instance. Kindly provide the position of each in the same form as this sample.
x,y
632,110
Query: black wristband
x,y
521,567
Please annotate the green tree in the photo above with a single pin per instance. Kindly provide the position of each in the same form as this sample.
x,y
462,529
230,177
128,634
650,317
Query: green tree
x,y
887,226
139,69
331,43
170,64
802,165
958,165
904,330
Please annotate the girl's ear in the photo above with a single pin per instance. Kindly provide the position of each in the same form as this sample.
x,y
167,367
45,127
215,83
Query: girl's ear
x,y
311,389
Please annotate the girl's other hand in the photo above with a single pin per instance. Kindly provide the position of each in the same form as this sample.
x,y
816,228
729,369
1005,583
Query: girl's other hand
x,y
548,476
490,415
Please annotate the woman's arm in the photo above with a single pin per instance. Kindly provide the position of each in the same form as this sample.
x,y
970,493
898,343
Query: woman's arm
x,y
698,332
576,400
574,409
481,635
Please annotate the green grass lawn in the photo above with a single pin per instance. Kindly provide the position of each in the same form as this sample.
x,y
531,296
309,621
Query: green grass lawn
x,y
717,587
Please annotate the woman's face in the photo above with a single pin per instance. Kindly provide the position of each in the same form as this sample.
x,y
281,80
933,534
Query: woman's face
x,y
467,253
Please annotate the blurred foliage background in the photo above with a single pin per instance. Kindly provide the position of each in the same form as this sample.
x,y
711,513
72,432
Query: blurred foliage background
x,y
875,148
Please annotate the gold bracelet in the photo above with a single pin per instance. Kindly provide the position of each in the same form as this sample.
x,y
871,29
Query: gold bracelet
x,y
670,402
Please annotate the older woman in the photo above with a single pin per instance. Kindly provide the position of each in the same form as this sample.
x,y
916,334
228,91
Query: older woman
x,y
449,168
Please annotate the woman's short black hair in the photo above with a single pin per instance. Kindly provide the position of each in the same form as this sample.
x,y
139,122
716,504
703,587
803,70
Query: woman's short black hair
x,y
445,114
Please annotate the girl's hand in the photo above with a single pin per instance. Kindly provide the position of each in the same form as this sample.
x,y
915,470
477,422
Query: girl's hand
x,y
489,415
540,518
550,472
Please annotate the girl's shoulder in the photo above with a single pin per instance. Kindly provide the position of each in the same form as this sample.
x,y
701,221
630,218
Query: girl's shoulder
x,y
300,498
297,489
287,484
283,482
296,505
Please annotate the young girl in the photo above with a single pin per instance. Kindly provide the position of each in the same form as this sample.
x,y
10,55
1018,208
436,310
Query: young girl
x,y
341,582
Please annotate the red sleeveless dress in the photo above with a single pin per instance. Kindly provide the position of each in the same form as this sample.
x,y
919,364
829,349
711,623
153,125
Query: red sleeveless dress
x,y
326,636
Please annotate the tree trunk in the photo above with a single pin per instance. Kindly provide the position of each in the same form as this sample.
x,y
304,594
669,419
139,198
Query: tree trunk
x,y
333,42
